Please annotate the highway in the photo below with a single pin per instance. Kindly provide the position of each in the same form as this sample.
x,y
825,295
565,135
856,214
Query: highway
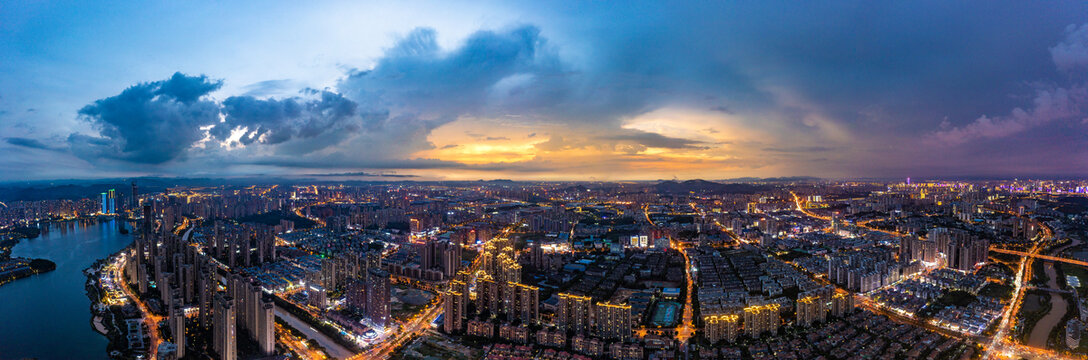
x,y
1039,256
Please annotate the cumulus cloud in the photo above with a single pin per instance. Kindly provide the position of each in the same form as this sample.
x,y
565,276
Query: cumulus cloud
x,y
275,121
1072,51
150,123
801,80
490,72
1050,103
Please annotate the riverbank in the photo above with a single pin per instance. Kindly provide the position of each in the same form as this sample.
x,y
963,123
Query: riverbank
x,y
109,319
12,269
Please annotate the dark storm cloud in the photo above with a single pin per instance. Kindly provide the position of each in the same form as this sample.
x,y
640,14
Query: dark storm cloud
x,y
363,174
648,139
799,149
823,77
490,71
275,121
149,123
30,143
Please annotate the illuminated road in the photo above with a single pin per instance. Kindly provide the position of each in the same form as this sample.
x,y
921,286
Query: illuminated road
x,y
414,327
334,349
687,328
151,320
1040,256
1001,346
297,345
420,323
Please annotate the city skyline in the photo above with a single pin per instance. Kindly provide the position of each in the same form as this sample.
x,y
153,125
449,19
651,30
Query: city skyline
x,y
533,91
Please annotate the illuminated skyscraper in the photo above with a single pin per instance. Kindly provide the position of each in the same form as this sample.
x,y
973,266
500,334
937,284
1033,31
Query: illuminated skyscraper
x,y
224,330
613,321
721,325
810,309
842,303
761,316
453,305
113,205
266,338
377,297
177,328
574,312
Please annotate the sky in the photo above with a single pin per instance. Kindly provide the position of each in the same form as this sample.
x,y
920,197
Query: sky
x,y
586,90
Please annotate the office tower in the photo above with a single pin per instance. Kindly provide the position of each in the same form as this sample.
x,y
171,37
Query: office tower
x,y
177,328
810,309
105,204
113,202
224,330
266,338
761,316
721,325
613,321
135,200
573,313
377,297
453,306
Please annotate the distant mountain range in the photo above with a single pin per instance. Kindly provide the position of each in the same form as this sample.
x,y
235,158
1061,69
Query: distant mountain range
x,y
703,186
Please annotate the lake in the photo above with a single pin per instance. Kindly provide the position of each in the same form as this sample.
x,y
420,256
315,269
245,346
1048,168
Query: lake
x,y
48,316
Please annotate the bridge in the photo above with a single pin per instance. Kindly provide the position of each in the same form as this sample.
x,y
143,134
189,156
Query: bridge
x,y
1039,256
